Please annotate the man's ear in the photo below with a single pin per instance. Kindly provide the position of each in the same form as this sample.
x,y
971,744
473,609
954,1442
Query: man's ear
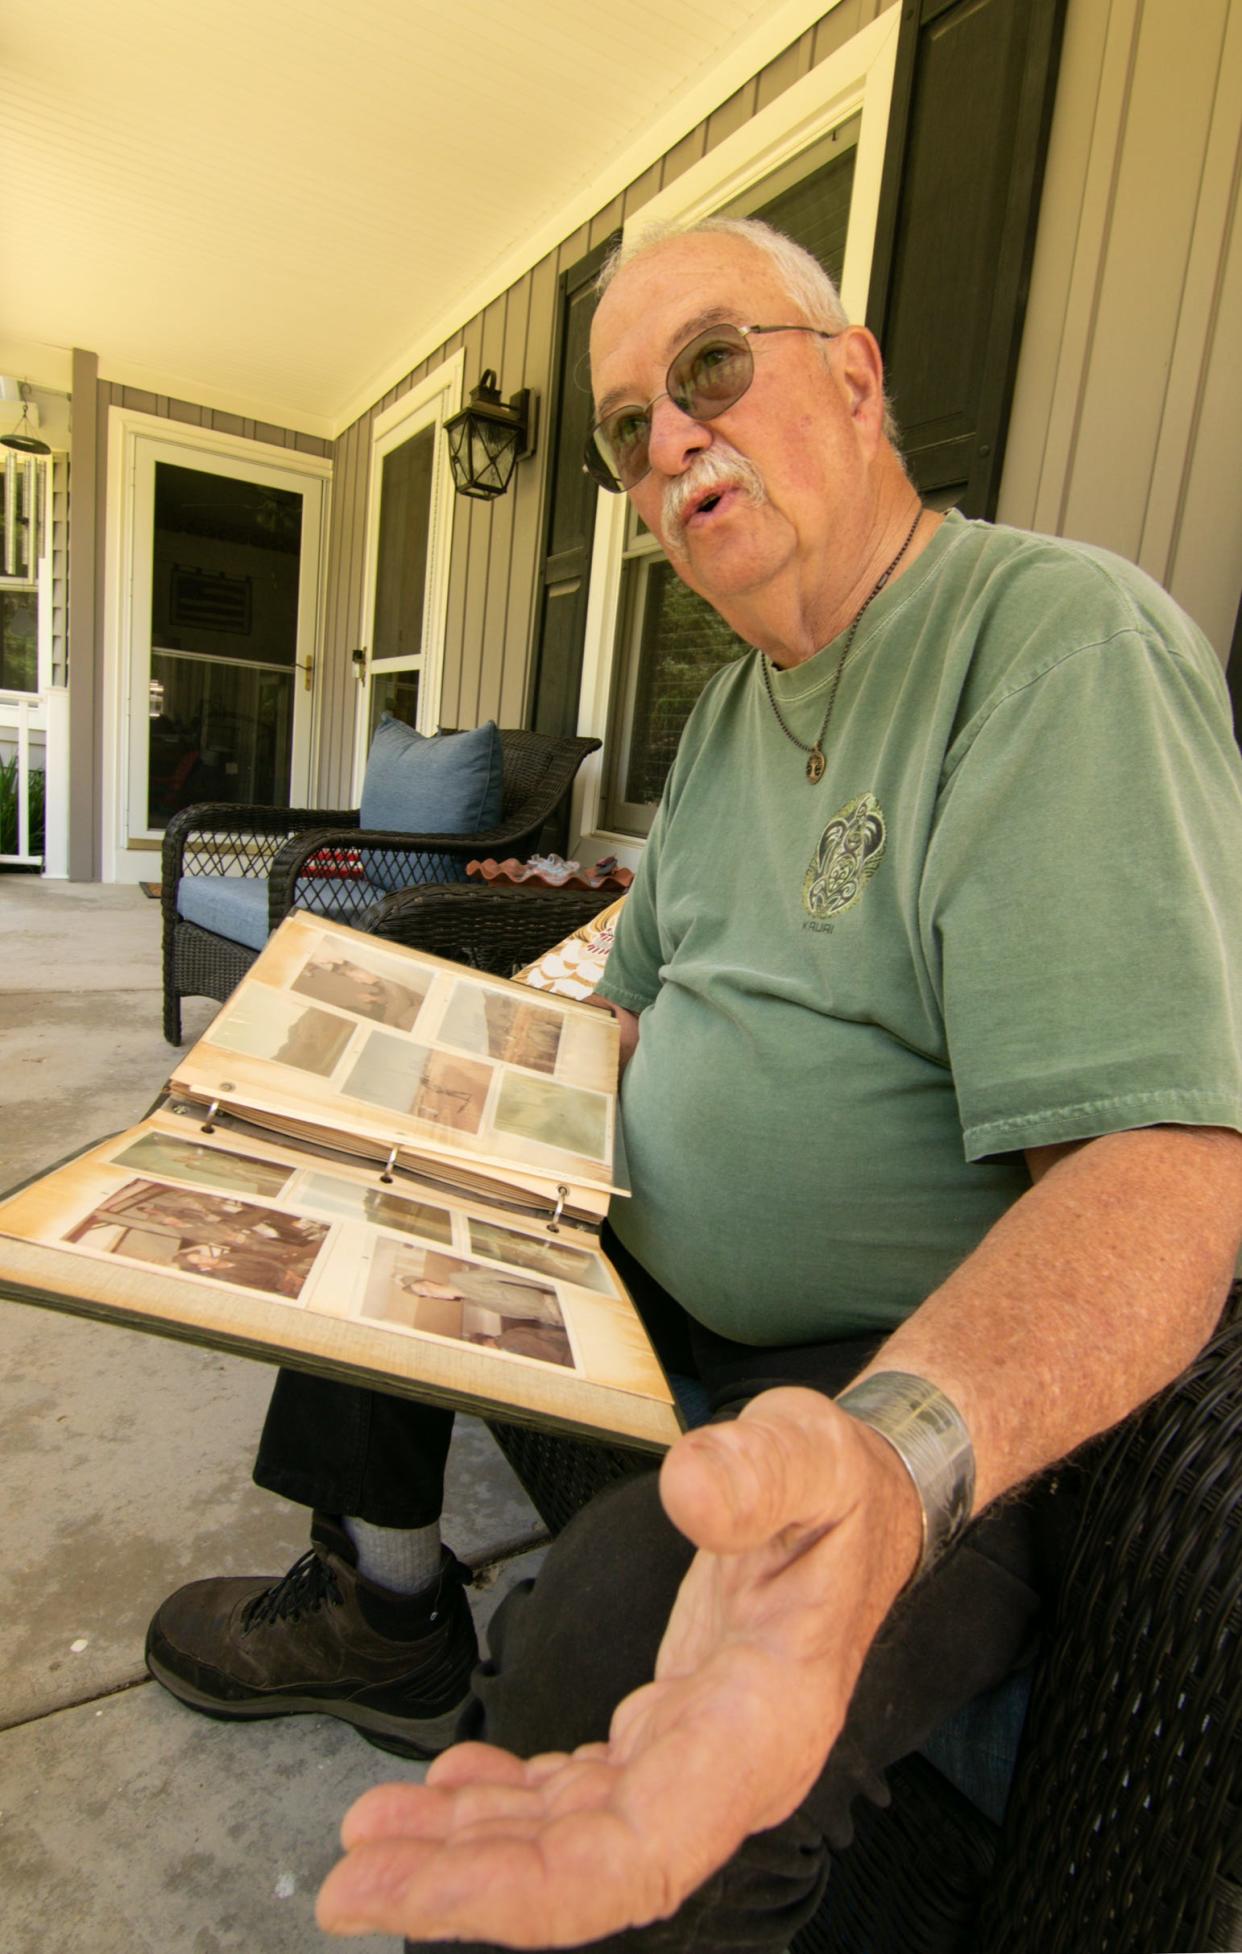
x,y
860,366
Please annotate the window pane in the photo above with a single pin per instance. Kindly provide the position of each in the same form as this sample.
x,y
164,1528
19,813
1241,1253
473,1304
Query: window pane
x,y
816,211
225,575
394,692
682,642
668,657
219,732
19,655
401,570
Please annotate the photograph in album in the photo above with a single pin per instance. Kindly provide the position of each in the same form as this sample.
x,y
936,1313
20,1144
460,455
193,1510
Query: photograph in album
x,y
434,1294
179,1229
175,1159
350,984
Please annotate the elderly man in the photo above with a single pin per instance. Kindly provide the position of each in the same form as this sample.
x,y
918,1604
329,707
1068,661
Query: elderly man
x,y
932,1106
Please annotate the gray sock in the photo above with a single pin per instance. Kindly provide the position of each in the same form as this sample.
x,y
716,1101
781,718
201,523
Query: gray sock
x,y
401,1559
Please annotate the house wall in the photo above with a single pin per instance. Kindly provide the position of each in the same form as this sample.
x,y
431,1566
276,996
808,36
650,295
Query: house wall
x,y
497,547
1128,403
60,569
1128,407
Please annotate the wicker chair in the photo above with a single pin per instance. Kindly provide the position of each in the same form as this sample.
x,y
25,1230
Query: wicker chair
x,y
283,846
493,926
1123,1833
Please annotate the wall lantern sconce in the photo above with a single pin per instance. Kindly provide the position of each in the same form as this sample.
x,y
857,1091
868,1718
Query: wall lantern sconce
x,y
488,438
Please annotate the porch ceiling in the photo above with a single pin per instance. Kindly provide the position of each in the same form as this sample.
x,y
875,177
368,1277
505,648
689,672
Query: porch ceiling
x,y
268,204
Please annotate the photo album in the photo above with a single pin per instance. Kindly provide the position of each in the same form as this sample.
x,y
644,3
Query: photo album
x,y
376,1166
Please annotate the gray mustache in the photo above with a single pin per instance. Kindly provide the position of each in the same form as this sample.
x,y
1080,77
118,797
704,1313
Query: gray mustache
x,y
712,470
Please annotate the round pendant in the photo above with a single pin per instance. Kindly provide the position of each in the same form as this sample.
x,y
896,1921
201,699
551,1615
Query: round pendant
x,y
815,766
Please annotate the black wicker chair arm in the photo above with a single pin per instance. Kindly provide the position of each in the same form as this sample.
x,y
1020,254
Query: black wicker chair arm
x,y
409,858
491,926
219,837
1124,1827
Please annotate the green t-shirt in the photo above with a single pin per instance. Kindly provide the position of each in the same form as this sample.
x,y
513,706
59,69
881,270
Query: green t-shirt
x,y
1009,914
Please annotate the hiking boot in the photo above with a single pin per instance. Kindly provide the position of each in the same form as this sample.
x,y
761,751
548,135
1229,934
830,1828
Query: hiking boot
x,y
323,1639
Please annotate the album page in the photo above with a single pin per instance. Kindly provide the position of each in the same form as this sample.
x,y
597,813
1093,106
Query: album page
x,y
274,1251
337,1032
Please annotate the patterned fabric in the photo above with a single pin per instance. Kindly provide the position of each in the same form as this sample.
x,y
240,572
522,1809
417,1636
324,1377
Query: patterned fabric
x,y
573,968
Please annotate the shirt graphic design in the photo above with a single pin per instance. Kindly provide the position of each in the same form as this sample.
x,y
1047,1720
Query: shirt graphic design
x,y
850,851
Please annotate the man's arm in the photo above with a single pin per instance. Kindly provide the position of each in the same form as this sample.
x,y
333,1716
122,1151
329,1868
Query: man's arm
x,y
1088,1295
1094,1290
627,1025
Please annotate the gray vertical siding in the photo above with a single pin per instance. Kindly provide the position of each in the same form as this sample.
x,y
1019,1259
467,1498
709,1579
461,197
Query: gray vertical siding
x,y
60,569
1128,406
166,407
497,547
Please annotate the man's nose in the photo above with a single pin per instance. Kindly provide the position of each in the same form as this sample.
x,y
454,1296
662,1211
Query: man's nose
x,y
675,438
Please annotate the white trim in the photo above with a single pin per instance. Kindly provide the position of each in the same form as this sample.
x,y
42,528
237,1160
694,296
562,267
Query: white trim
x,y
126,428
857,79
36,364
56,785
226,400
429,404
780,28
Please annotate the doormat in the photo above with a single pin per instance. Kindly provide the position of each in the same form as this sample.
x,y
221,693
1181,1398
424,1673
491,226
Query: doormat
x,y
151,889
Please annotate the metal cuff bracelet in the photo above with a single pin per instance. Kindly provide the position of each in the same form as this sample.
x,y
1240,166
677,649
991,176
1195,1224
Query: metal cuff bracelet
x,y
929,1436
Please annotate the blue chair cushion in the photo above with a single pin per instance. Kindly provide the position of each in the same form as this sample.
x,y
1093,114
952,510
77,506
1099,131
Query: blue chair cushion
x,y
451,783
235,906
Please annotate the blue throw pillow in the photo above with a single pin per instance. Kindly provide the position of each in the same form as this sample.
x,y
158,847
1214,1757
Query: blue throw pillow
x,y
450,783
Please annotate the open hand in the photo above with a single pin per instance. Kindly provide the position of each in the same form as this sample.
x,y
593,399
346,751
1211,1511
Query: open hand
x,y
807,1529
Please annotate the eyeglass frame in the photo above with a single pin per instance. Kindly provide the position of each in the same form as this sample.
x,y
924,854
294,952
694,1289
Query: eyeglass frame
x,y
593,462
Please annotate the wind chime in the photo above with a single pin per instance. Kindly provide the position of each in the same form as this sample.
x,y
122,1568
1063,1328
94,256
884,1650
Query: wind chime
x,y
23,497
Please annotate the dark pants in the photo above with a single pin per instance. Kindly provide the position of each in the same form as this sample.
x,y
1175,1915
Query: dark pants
x,y
566,1649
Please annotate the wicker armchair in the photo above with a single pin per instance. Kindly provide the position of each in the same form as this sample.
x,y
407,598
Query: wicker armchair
x,y
1123,1833
286,847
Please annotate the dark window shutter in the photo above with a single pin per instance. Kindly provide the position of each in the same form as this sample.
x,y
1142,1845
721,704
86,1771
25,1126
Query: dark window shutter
x,y
561,627
968,133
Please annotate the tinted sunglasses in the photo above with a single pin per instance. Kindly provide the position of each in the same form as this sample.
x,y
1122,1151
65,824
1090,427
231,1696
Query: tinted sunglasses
x,y
705,379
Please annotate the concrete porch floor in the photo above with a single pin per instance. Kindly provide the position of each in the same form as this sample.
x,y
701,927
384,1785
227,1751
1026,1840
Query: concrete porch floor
x,y
128,1824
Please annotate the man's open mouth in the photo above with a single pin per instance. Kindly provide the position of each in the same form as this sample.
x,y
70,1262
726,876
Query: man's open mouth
x,y
707,503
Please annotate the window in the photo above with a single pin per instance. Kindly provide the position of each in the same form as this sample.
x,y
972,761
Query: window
x,y
812,161
409,531
23,532
669,641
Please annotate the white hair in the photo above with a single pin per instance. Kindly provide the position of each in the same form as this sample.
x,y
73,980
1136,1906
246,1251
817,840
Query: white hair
x,y
802,275
808,285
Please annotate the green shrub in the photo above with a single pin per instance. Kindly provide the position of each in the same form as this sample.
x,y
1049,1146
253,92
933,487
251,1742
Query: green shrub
x,y
8,807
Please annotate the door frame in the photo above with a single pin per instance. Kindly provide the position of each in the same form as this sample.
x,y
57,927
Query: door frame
x,y
130,856
429,403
